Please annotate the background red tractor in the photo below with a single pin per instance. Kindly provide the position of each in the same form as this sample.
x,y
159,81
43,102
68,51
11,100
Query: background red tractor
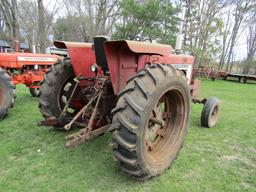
x,y
21,68
141,92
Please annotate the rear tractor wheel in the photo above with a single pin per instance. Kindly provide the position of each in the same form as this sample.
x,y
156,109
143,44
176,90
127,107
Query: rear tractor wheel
x,y
150,121
7,94
211,112
56,89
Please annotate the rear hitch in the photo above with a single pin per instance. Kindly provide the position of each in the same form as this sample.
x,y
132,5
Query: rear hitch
x,y
86,133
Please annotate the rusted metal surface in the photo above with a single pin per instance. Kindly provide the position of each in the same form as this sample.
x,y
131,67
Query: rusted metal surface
x,y
195,88
142,47
86,133
68,44
83,135
81,112
52,121
82,56
126,58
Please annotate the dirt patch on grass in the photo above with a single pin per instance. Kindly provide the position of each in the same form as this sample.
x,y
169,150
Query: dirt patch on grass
x,y
231,158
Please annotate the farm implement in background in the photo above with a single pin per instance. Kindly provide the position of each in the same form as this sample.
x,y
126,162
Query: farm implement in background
x,y
21,68
242,78
212,73
141,92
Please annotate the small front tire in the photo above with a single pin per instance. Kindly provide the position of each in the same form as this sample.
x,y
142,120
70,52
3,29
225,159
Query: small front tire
x,y
210,113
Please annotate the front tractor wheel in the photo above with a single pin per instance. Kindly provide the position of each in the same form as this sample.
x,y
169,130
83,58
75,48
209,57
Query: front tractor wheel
x,y
7,94
150,121
56,89
211,112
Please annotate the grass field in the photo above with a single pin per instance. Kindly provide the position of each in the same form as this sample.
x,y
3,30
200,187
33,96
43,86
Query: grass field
x,y
223,158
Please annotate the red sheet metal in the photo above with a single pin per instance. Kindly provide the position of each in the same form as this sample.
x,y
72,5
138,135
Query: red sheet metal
x,y
82,56
18,60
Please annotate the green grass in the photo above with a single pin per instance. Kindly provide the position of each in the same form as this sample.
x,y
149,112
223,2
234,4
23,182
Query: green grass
x,y
223,158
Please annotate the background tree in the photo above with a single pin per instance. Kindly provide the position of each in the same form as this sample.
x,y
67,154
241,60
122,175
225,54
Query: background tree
x,y
45,19
28,21
250,62
242,7
202,24
68,29
93,17
9,11
147,21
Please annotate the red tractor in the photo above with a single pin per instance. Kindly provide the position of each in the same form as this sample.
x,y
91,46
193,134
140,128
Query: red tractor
x,y
21,68
141,92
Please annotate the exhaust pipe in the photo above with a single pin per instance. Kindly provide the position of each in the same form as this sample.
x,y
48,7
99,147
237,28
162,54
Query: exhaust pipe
x,y
179,37
16,46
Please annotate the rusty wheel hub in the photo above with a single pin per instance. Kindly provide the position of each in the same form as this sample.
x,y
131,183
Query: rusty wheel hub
x,y
214,114
157,124
165,127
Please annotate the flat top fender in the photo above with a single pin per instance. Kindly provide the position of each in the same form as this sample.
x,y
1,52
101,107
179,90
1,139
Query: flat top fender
x,y
69,44
123,58
82,56
142,47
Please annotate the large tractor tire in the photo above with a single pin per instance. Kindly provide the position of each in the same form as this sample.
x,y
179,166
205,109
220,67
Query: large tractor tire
x,y
150,121
55,90
35,92
7,94
210,113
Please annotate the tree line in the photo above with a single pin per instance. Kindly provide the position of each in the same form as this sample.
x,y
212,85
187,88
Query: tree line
x,y
212,29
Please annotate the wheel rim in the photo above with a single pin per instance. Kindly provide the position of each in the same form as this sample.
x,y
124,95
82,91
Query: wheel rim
x,y
165,126
214,115
36,91
65,93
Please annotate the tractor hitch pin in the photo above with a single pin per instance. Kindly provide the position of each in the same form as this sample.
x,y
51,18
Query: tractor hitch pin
x,y
69,99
